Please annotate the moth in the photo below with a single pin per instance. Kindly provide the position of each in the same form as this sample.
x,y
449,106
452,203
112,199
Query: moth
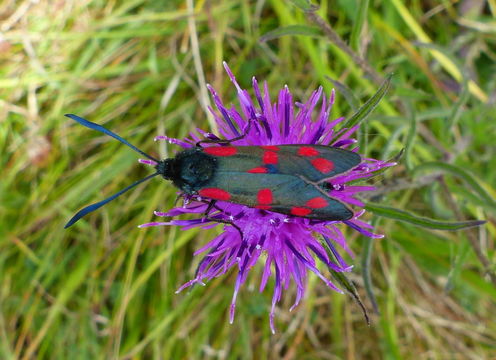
x,y
290,179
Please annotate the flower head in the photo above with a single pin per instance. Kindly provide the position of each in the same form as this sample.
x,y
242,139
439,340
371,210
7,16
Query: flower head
x,y
291,244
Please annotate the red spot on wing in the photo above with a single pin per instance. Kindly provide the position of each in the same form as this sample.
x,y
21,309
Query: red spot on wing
x,y
307,151
269,157
270,147
317,203
258,170
264,197
263,207
221,150
323,165
215,193
300,211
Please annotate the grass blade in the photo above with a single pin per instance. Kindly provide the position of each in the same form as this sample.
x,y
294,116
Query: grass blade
x,y
370,105
470,179
304,5
401,215
291,30
360,19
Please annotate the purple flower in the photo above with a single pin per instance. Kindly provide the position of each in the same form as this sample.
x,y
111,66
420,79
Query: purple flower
x,y
290,244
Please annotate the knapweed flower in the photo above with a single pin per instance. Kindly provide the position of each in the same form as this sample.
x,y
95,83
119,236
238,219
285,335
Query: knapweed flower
x,y
289,245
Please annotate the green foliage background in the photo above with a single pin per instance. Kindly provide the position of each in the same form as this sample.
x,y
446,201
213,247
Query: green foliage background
x,y
104,289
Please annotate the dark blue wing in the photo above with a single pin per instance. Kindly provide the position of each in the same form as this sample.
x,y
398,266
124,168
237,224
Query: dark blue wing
x,y
314,162
287,194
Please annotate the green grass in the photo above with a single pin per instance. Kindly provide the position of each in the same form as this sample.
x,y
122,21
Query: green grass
x,y
105,289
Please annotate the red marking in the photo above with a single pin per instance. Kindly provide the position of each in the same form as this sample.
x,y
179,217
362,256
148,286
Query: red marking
x,y
215,193
270,147
264,197
317,203
221,150
269,157
307,151
263,207
258,170
323,165
300,211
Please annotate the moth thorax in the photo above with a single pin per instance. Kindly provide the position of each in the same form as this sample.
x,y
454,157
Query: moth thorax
x,y
191,169
164,168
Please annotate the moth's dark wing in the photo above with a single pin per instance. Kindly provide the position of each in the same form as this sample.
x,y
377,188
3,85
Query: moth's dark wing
x,y
325,162
306,200
290,195
314,162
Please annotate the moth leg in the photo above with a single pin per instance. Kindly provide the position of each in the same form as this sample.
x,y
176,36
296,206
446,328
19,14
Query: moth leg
x,y
242,136
226,141
222,221
180,195
210,206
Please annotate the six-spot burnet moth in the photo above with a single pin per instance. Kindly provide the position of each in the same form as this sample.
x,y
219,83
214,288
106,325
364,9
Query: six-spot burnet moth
x,y
288,179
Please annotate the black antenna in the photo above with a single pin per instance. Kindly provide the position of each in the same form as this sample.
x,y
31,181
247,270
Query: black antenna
x,y
90,208
100,128
96,206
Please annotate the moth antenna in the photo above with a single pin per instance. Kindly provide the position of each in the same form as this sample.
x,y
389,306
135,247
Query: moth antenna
x,y
100,128
90,208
